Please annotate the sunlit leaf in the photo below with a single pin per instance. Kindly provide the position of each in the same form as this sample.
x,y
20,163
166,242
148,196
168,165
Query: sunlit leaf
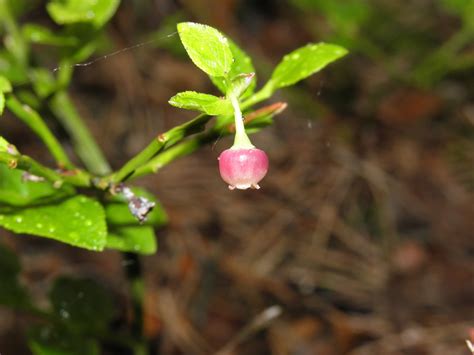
x,y
14,191
79,221
207,47
2,102
304,62
242,65
6,147
96,12
5,85
210,104
43,35
137,239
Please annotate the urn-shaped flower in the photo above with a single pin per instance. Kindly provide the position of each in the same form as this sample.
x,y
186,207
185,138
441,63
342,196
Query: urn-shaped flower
x,y
243,168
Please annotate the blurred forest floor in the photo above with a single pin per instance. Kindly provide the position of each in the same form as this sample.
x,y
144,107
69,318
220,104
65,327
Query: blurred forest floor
x,y
363,230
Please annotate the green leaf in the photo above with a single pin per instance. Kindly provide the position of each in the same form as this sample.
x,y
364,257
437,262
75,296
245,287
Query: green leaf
x,y
82,303
11,68
344,16
242,65
118,214
5,85
44,82
241,83
43,35
2,102
96,12
6,147
304,62
54,340
207,47
78,221
125,233
16,192
209,104
137,239
13,294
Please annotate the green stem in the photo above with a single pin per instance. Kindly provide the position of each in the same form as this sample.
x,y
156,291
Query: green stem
x,y
141,164
77,178
191,145
36,123
175,152
241,140
15,43
162,141
84,144
264,93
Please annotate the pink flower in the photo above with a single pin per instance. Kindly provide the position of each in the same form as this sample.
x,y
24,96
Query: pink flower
x,y
243,168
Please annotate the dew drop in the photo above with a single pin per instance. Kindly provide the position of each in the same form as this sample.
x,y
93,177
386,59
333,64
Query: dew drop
x,y
39,225
88,223
64,314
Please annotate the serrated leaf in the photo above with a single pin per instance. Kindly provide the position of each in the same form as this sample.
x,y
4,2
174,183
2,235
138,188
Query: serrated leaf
x,y
78,221
304,62
54,340
12,294
96,12
43,35
137,239
207,47
82,304
242,65
209,104
16,192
